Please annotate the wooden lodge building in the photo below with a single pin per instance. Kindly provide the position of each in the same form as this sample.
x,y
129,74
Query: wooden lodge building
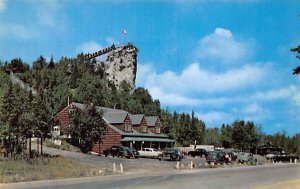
x,y
123,128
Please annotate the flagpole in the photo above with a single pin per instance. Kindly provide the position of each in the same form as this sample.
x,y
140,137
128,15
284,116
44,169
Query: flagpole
x,y
124,34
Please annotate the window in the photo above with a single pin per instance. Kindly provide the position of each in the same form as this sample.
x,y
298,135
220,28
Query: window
x,y
157,129
144,129
127,127
71,110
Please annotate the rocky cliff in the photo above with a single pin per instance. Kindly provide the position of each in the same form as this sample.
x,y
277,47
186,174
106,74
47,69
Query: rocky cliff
x,y
121,65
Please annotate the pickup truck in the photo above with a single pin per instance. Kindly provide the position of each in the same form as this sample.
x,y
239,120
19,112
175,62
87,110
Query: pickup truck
x,y
149,152
284,157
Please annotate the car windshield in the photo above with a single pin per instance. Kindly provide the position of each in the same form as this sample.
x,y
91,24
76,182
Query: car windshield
x,y
212,154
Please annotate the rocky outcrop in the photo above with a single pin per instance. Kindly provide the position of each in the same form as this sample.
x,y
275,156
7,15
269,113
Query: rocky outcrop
x,y
15,80
121,65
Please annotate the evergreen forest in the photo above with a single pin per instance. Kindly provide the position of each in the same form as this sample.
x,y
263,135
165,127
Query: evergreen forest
x,y
25,112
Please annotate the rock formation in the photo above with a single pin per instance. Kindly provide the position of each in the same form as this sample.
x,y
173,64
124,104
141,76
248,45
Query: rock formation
x,y
120,63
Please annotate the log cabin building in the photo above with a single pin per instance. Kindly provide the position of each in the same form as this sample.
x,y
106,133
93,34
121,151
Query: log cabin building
x,y
123,128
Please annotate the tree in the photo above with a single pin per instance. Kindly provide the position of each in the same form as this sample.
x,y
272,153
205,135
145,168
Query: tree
x,y
87,127
244,135
297,51
226,136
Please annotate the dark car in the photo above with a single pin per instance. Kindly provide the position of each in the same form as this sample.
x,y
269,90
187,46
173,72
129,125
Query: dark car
x,y
118,151
171,154
284,157
216,157
198,152
134,152
231,155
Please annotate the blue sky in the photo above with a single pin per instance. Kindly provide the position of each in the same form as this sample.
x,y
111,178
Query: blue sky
x,y
225,60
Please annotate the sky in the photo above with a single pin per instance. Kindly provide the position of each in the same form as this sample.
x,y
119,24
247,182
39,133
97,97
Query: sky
x,y
225,60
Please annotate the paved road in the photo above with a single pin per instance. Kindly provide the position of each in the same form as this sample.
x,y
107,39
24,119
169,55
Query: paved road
x,y
223,178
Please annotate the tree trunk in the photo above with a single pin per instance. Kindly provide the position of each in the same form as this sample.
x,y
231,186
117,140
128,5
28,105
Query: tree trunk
x,y
30,155
38,146
41,146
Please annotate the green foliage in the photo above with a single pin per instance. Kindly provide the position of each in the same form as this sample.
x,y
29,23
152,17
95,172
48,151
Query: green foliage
x,y
85,81
16,65
244,135
185,129
226,136
87,127
297,51
212,137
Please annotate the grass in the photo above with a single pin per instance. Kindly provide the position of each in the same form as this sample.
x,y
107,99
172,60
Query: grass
x,y
45,169
64,145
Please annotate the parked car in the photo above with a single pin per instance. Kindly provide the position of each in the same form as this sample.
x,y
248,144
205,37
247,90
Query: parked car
x,y
270,156
231,155
170,154
198,152
118,151
150,152
284,157
245,157
134,152
216,157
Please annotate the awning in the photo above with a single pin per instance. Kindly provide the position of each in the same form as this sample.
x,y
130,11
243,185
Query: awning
x,y
146,139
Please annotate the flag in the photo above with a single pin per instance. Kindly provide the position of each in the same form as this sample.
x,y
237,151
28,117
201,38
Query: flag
x,y
124,32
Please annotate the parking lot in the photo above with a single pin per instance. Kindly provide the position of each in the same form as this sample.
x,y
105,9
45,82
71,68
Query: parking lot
x,y
143,164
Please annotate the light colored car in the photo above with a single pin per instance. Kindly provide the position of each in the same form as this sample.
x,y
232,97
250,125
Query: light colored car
x,y
149,153
244,157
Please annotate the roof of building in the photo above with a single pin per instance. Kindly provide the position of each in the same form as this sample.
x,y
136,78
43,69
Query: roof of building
x,y
136,134
115,117
151,120
147,139
99,108
136,119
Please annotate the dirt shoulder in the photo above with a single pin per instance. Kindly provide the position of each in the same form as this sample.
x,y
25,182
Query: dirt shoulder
x,y
291,184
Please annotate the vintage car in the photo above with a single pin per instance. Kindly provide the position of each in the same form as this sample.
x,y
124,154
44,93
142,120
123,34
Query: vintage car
x,y
244,157
198,152
284,157
118,151
134,152
150,152
216,157
171,154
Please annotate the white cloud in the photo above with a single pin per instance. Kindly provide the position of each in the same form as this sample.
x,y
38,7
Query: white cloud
x,y
18,31
194,79
50,13
281,93
215,118
222,47
2,5
110,41
89,47
253,108
297,99
178,89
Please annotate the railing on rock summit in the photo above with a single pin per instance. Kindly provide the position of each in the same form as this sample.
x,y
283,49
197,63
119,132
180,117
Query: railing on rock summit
x,y
106,50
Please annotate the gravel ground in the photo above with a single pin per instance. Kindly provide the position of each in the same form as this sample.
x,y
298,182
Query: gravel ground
x,y
142,164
